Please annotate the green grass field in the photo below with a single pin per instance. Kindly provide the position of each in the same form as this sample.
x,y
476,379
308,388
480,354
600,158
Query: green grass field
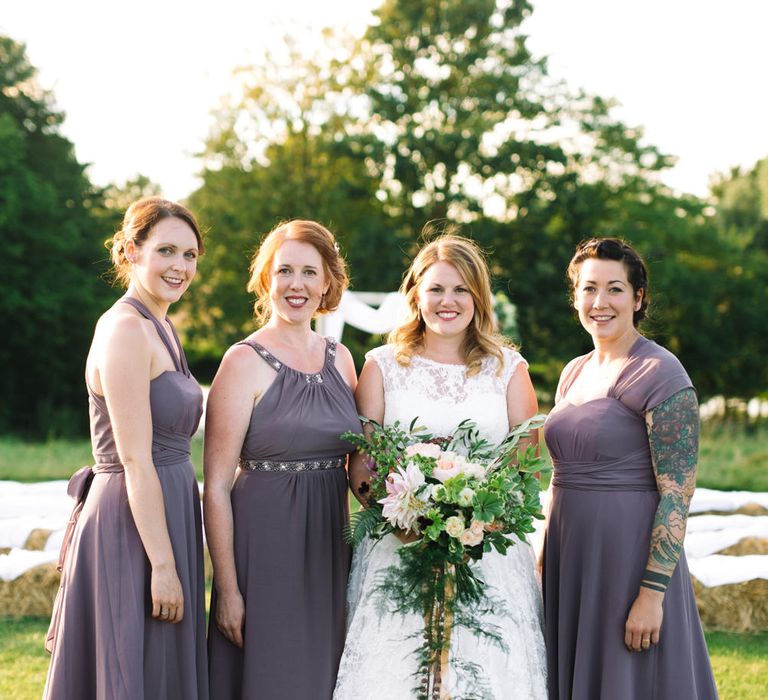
x,y
740,662
58,459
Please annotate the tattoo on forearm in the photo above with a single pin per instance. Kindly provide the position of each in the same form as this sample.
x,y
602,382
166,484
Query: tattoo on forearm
x,y
673,434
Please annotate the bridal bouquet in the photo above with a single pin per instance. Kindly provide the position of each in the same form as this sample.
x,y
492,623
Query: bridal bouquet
x,y
456,498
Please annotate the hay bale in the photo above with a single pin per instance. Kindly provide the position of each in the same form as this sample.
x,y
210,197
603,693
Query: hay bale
x,y
746,509
37,538
748,545
752,509
735,607
31,594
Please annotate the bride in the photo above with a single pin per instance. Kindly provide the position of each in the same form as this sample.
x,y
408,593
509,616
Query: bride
x,y
444,365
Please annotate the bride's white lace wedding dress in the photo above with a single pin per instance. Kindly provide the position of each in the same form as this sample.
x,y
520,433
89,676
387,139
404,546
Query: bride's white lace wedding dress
x,y
378,662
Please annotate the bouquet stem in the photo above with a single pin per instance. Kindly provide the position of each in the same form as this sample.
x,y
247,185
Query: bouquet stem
x,y
438,621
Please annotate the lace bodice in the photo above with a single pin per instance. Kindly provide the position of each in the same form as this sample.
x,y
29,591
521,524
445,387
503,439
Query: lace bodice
x,y
425,388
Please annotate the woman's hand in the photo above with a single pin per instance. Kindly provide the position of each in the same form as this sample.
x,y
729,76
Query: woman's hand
x,y
405,537
167,594
230,616
643,625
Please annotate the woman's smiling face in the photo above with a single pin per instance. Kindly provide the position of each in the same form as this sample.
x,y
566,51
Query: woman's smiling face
x,y
605,299
444,300
298,281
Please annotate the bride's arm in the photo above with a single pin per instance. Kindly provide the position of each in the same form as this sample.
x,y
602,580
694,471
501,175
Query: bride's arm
x,y
369,397
522,403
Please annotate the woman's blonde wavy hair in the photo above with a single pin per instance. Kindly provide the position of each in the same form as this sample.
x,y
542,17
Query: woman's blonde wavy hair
x,y
322,240
481,339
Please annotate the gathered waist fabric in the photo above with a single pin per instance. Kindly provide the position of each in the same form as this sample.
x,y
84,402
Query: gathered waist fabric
x,y
168,448
631,472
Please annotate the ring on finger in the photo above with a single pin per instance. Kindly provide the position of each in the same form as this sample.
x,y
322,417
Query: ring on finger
x,y
164,613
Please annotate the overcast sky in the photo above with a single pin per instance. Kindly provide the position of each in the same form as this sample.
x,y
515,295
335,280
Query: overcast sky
x,y
138,80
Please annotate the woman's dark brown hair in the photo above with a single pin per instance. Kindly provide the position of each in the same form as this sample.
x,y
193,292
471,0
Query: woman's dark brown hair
x,y
621,251
139,220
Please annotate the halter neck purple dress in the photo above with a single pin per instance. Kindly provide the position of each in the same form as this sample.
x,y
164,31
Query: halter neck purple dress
x,y
104,641
289,505
604,500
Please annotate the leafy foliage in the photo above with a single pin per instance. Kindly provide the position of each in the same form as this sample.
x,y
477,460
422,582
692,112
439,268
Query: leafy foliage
x,y
50,292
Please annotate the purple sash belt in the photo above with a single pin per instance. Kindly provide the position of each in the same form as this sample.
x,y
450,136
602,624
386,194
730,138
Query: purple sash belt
x,y
631,472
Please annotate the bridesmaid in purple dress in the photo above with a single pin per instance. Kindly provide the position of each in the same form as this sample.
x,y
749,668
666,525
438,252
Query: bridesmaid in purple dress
x,y
129,619
621,618
276,483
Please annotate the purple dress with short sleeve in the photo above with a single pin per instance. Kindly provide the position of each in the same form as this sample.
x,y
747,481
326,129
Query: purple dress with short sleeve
x,y
290,508
104,641
604,500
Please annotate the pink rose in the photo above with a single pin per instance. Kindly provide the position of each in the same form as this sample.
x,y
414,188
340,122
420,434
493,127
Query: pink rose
x,y
471,537
424,449
448,465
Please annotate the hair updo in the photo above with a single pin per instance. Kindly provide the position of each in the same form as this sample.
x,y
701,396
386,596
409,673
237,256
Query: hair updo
x,y
621,251
139,220
322,240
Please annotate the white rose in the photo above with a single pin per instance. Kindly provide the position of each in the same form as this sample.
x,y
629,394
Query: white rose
x,y
475,470
438,492
465,497
454,526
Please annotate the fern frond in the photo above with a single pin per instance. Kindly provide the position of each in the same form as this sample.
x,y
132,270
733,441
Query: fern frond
x,y
362,524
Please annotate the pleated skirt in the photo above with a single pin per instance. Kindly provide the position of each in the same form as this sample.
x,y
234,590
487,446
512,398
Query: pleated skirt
x,y
107,646
596,549
292,565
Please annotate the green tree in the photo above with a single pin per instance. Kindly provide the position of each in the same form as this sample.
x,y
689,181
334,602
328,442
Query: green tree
x,y
471,128
280,150
49,273
441,113
459,107
742,205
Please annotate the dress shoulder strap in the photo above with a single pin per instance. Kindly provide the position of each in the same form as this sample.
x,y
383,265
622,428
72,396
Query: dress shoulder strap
x,y
330,350
179,360
265,354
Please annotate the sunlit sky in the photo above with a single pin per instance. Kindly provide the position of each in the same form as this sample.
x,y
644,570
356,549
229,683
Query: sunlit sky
x,y
138,80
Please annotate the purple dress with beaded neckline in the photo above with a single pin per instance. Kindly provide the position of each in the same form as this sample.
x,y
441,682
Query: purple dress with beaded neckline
x,y
290,507
604,500
104,641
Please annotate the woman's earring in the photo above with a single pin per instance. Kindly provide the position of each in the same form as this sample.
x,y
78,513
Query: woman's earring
x,y
322,301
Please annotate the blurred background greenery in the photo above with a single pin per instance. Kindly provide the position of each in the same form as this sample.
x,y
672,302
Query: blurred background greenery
x,y
438,113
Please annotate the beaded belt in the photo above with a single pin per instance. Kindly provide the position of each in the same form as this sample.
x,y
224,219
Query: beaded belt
x,y
257,465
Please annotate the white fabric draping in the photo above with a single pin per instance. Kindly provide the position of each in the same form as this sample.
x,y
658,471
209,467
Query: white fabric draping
x,y
355,312
708,534
17,561
26,507
719,569
727,501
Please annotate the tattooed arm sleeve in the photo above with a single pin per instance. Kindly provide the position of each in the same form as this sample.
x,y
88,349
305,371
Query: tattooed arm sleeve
x,y
673,434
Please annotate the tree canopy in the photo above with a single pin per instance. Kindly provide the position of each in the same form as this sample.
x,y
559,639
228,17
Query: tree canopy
x,y
440,113
50,291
